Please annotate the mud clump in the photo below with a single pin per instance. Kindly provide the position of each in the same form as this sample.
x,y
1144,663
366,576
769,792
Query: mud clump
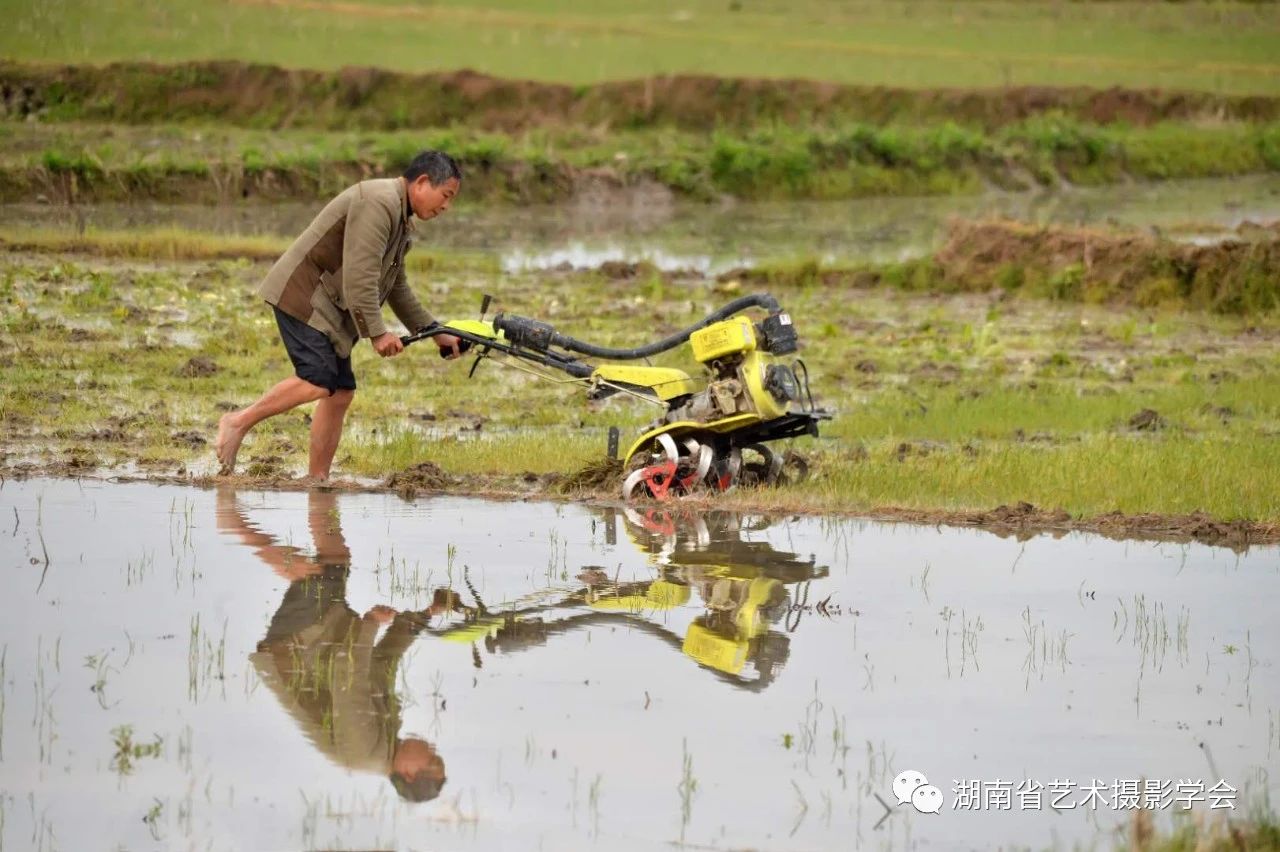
x,y
1022,520
937,374
422,477
1198,526
79,460
189,439
109,435
917,449
199,367
266,467
601,475
473,422
1019,514
1225,413
84,335
621,270
160,463
1147,420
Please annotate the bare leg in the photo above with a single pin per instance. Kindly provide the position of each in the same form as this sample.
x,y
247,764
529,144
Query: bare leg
x,y
326,431
234,425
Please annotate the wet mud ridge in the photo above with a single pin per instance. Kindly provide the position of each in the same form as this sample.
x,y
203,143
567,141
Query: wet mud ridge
x,y
1023,520
596,485
425,477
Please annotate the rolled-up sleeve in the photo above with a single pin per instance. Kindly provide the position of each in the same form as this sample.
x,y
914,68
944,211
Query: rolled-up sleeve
x,y
363,245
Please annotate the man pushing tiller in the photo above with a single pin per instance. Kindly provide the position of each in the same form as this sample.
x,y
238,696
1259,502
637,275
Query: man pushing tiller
x,y
327,292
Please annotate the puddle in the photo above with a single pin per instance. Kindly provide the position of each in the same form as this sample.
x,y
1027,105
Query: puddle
x,y
182,667
712,238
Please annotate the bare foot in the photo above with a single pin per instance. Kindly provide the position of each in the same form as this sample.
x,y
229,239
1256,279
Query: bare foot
x,y
227,444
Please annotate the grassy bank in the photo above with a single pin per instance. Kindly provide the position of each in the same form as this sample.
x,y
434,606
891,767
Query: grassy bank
x,y
234,94
948,402
169,162
1237,273
1208,46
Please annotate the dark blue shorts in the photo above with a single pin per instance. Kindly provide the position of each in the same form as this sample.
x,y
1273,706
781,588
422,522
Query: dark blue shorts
x,y
313,356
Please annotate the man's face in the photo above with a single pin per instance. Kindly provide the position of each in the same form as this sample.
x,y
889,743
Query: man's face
x,y
429,201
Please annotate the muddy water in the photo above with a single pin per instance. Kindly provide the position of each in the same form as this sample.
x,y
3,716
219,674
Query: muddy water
x,y
714,237
227,670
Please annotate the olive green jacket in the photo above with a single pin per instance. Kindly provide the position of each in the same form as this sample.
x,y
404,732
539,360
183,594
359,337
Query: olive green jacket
x,y
348,261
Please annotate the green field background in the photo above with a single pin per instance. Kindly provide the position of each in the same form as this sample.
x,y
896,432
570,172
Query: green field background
x,y
1220,47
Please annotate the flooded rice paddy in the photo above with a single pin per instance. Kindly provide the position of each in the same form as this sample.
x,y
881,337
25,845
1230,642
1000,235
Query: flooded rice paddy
x,y
223,670
711,237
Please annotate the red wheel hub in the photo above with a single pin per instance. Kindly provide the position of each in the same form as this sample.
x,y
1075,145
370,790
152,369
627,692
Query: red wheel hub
x,y
658,479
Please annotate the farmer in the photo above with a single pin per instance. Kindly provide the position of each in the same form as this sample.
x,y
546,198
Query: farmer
x,y
327,292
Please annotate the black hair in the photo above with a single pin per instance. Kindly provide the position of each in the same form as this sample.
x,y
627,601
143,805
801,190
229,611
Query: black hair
x,y
438,166
423,787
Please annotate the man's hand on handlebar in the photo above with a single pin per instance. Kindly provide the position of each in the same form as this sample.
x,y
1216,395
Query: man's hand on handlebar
x,y
450,345
388,345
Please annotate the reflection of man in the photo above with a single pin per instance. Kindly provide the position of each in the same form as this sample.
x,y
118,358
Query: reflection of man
x,y
326,664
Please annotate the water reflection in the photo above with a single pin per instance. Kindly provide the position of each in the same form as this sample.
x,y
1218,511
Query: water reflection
x,y
745,585
334,670
712,238
626,733
744,604
326,664
723,597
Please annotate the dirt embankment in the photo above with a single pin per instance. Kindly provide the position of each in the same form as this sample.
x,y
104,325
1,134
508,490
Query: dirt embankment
x,y
1236,276
511,181
1239,274
250,95
1025,521
1022,521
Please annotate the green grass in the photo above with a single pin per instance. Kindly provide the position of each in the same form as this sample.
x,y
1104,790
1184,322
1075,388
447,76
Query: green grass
x,y
1227,47
1189,832
945,402
1231,478
114,162
170,244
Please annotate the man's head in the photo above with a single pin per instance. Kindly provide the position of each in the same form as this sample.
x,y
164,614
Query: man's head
x,y
417,772
433,179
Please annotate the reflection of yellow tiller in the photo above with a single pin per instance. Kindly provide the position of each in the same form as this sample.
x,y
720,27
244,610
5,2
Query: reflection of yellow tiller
x,y
658,595
741,585
740,581
729,649
474,631
747,397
